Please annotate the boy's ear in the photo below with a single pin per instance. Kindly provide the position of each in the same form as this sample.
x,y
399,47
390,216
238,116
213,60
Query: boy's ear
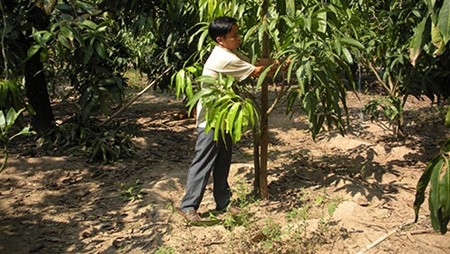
x,y
219,40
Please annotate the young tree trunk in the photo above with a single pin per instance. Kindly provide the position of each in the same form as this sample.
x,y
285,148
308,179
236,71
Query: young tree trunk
x,y
35,82
256,158
261,175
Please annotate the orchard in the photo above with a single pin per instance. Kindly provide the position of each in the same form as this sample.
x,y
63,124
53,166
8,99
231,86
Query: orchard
x,y
73,75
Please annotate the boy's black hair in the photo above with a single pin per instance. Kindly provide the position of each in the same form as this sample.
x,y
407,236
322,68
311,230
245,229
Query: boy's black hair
x,y
219,27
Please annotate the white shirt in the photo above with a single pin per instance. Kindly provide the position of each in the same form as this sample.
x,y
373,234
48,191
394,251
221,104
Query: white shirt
x,y
226,62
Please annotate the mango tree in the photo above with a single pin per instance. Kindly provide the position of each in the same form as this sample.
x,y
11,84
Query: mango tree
x,y
79,51
386,32
318,40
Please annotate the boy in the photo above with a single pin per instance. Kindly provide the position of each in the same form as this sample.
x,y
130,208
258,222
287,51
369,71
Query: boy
x,y
212,156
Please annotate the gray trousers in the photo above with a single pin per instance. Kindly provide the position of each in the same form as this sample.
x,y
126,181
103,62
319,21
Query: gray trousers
x,y
210,156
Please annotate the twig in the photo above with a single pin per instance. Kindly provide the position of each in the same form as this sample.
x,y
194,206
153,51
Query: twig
x,y
378,77
386,236
5,61
136,97
274,104
421,231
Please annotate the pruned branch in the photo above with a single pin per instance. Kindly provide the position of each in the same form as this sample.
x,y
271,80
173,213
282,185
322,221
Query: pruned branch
x,y
384,237
136,97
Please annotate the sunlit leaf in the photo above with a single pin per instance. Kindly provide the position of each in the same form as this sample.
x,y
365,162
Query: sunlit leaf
x,y
417,41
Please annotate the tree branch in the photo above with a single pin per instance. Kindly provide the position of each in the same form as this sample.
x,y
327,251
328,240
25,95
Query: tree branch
x,y
2,42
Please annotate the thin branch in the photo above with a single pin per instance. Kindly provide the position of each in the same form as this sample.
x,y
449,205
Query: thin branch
x,y
279,96
378,76
5,62
384,237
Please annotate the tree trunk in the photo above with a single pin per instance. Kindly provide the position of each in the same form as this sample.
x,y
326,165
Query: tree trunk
x,y
264,125
37,94
256,158
35,82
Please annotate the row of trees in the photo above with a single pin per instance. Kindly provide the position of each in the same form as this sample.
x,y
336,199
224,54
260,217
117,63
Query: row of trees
x,y
79,51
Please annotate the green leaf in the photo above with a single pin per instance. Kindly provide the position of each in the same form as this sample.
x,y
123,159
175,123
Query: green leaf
x,y
290,8
347,55
2,122
238,126
417,41
322,15
447,118
204,26
201,40
180,82
189,89
24,132
101,28
219,126
231,116
250,32
66,32
206,80
100,49
193,101
64,41
351,42
444,21
437,40
423,183
88,53
33,50
262,77
433,200
249,111
262,29
11,116
444,198
89,24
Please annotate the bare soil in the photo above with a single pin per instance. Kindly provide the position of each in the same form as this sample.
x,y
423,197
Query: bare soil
x,y
330,195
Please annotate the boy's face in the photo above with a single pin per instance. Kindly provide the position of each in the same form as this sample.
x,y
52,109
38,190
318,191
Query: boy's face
x,y
231,40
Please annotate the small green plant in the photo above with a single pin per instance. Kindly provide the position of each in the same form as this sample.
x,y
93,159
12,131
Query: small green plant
x,y
165,250
11,95
390,107
298,214
242,191
7,121
133,191
272,232
231,221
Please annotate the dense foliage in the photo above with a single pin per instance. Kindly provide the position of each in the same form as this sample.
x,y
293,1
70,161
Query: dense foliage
x,y
78,51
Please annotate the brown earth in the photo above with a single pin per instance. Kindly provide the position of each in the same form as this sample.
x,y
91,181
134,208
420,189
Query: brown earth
x,y
332,195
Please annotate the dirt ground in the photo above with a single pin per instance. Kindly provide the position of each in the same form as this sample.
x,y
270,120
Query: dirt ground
x,y
332,195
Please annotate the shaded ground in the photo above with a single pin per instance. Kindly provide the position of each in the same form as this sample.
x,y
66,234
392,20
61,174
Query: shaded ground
x,y
333,195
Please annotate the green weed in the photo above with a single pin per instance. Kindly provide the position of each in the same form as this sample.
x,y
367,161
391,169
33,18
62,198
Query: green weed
x,y
165,250
132,192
